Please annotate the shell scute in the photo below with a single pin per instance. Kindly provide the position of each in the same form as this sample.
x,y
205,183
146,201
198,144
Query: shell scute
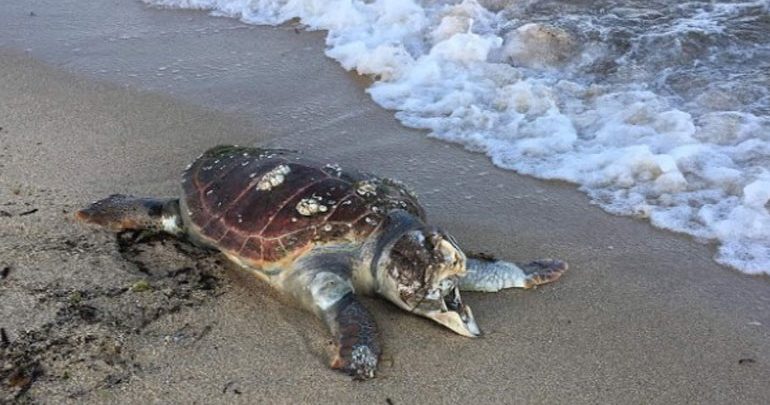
x,y
214,229
273,250
325,196
298,239
251,247
348,209
255,209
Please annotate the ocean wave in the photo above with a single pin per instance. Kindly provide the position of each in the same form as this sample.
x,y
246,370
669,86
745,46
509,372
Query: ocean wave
x,y
582,98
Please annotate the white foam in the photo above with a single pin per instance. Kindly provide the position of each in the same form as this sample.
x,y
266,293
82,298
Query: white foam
x,y
464,74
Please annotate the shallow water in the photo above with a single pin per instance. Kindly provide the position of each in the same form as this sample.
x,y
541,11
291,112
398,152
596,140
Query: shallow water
x,y
655,109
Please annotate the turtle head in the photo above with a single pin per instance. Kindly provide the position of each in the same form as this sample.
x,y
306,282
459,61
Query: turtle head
x,y
120,212
419,271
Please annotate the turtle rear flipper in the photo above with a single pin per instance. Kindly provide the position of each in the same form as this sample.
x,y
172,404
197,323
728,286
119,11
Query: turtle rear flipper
x,y
120,212
495,275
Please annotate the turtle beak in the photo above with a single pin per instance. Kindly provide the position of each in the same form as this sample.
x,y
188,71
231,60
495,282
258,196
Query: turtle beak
x,y
461,322
455,315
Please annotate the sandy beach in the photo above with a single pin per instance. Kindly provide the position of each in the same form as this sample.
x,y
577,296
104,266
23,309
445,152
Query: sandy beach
x,y
643,315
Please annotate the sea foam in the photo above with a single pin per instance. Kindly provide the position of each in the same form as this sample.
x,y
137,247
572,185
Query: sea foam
x,y
513,90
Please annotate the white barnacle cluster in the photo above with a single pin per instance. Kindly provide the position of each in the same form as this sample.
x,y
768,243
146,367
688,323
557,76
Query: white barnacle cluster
x,y
334,167
329,196
366,360
310,206
366,188
273,178
171,224
401,186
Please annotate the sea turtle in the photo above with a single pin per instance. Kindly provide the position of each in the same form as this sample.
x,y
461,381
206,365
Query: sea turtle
x,y
322,235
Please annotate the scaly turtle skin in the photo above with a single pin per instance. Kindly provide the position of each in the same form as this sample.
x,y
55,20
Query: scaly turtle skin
x,y
321,235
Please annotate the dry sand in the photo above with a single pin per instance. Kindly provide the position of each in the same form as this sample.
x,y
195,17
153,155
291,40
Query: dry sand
x,y
643,316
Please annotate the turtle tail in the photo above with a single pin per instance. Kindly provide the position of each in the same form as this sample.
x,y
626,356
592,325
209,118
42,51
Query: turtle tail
x,y
120,212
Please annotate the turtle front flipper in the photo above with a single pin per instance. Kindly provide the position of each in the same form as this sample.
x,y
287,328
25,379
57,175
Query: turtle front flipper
x,y
491,275
353,327
356,338
120,212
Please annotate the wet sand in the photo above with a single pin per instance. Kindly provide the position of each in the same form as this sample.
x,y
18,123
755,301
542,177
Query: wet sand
x,y
643,316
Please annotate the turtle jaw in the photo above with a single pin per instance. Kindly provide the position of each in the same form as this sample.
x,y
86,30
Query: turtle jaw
x,y
452,313
461,323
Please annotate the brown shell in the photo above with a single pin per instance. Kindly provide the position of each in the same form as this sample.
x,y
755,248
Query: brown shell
x,y
232,204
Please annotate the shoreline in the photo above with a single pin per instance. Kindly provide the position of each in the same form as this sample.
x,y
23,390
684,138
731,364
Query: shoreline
x,y
642,316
